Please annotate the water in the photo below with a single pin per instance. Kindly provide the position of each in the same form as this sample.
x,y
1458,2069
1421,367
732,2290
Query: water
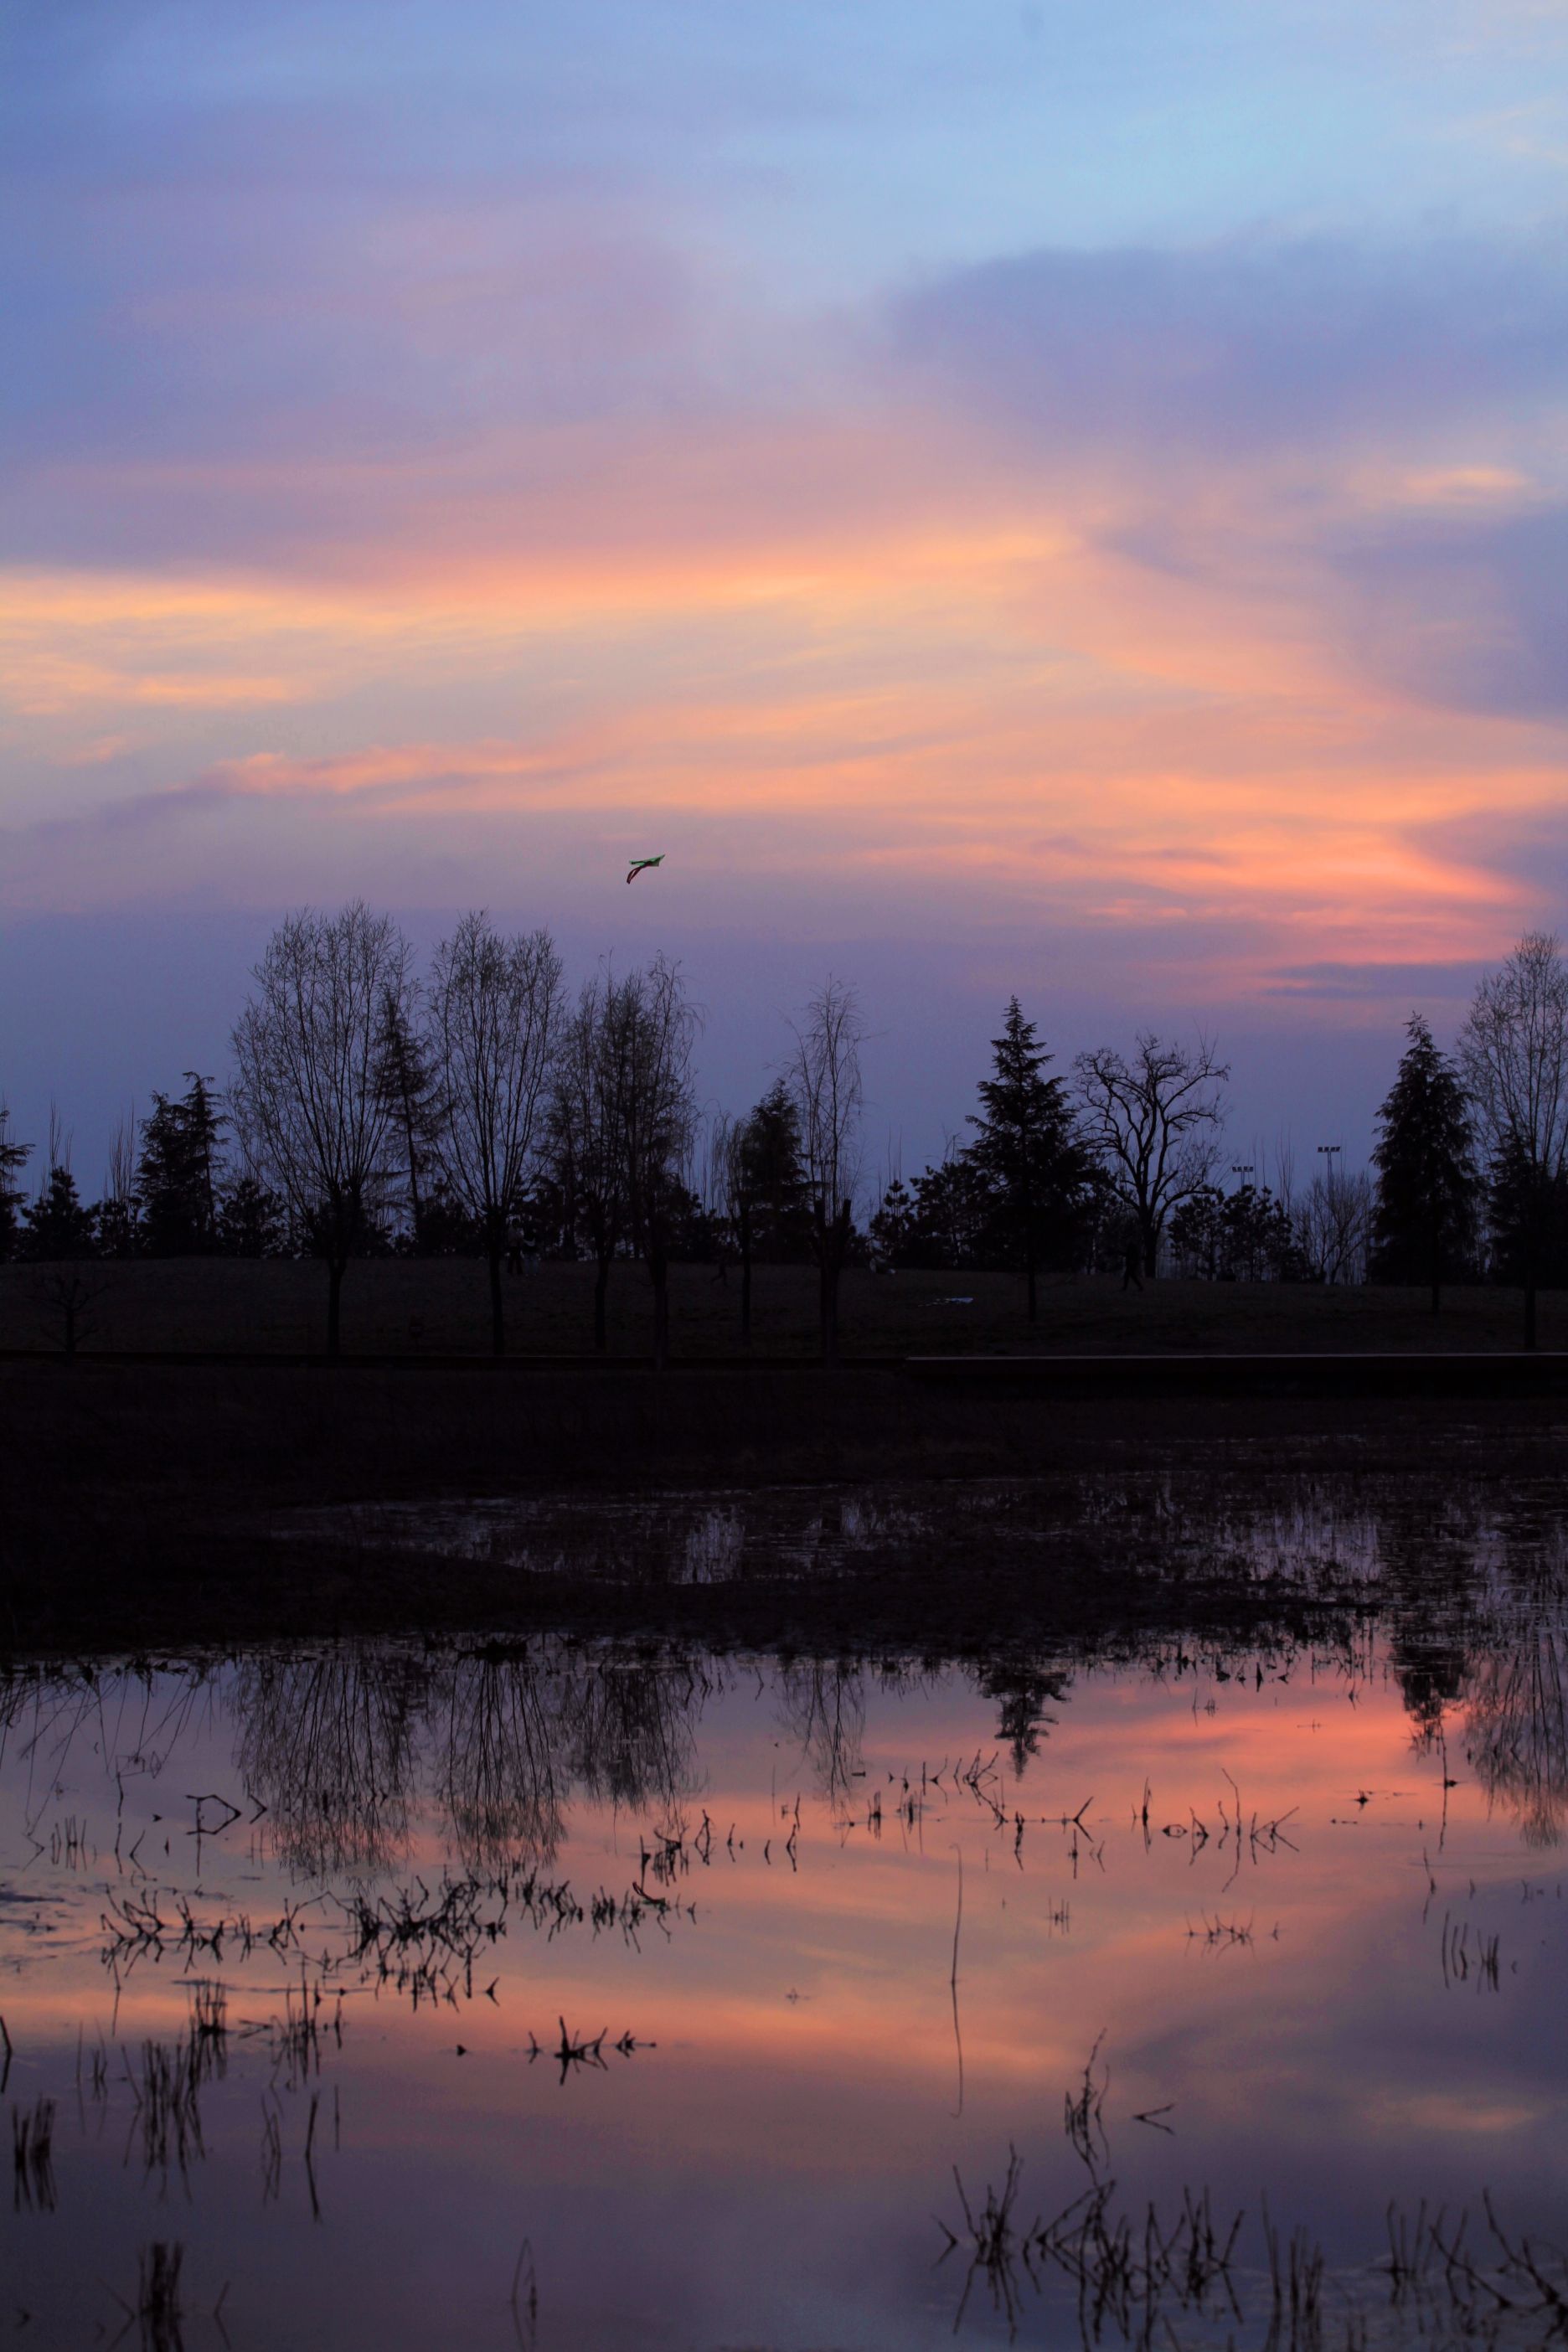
x,y
313,1954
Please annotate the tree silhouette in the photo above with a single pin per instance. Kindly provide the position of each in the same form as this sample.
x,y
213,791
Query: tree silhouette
x,y
1027,1144
14,1158
1513,1055
828,1092
408,1079
57,1224
1427,1188
312,1111
1155,1121
767,1186
177,1174
494,1014
587,1161
658,1118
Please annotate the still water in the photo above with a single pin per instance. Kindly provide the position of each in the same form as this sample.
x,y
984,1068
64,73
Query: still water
x,y
415,1995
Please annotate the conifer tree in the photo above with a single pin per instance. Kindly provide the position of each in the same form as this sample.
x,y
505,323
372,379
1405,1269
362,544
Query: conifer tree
x,y
410,1085
1027,1144
58,1225
1427,1188
177,1174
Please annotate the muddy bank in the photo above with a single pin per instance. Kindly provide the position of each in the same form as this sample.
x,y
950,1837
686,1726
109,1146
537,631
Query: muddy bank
x,y
147,1506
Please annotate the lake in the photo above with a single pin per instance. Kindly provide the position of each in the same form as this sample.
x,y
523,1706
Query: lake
x,y
476,1992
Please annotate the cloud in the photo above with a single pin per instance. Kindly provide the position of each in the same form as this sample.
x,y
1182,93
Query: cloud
x,y
1412,984
1247,346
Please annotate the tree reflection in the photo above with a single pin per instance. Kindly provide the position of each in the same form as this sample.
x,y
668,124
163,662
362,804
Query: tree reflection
x,y
1026,1692
343,1749
823,1708
328,1744
1517,1731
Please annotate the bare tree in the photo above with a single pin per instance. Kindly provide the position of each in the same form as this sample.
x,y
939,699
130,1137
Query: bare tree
x,y
657,1121
585,1128
312,1113
829,1094
1155,1121
1513,1058
494,1012
1333,1225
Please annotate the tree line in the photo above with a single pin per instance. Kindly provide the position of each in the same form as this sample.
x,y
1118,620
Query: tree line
x,y
481,1109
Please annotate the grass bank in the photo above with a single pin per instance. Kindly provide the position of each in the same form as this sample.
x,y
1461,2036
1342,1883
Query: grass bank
x,y
430,1309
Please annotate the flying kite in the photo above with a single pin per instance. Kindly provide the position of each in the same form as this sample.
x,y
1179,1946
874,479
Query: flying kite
x,y
640,865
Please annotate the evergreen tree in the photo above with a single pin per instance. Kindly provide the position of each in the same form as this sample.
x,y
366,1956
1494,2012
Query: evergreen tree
x,y
177,1174
410,1086
14,1158
1027,1145
1427,1188
57,1224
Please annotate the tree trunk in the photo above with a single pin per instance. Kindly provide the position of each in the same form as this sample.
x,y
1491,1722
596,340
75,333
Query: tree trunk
x,y
601,1291
498,1312
1033,1296
744,1227
1529,1308
833,1240
336,1269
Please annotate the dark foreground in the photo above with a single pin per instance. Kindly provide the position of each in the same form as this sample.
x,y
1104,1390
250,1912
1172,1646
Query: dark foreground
x,y
146,1506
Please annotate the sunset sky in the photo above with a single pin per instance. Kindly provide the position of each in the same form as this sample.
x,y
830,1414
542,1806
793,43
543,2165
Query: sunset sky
x,y
1057,497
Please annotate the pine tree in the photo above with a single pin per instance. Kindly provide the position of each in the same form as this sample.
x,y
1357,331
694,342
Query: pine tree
x,y
1027,1144
14,1158
177,1174
57,1224
1428,1187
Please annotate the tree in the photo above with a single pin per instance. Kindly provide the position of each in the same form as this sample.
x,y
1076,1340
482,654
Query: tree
x,y
311,1111
1424,1219
177,1174
14,1158
1155,1121
58,1225
1027,1144
657,1108
587,1160
119,1232
494,1016
1333,1225
251,1221
764,1186
826,1083
410,1082
1513,1059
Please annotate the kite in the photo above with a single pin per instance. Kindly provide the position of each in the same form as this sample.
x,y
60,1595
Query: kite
x,y
640,865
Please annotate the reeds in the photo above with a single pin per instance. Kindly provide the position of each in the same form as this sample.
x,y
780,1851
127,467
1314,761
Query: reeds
x,y
32,2156
1133,2278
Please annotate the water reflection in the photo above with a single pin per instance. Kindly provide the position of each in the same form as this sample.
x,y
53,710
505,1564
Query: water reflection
x,y
330,1977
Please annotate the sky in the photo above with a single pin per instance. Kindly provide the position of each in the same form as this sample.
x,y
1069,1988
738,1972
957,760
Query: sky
x,y
1057,497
